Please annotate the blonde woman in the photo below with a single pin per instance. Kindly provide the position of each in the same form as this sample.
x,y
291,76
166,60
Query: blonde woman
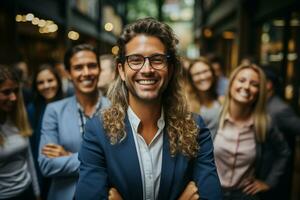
x,y
250,153
18,177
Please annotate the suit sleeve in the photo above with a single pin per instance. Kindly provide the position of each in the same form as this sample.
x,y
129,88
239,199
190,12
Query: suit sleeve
x,y
60,166
281,153
93,178
205,173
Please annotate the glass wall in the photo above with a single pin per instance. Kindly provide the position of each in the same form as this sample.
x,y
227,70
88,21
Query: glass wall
x,y
279,47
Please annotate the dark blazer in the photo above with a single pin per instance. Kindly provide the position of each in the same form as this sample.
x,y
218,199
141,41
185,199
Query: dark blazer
x,y
284,116
104,165
289,124
36,123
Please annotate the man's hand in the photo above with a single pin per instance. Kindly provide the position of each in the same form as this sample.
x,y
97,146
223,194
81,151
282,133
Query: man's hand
x,y
113,194
54,151
190,192
255,186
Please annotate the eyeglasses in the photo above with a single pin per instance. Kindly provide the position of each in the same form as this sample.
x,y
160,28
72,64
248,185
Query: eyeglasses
x,y
156,61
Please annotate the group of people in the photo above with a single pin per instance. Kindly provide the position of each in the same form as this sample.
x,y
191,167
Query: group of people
x,y
143,137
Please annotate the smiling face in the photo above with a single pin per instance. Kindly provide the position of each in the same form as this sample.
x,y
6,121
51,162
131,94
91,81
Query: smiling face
x,y
202,76
47,85
146,84
8,95
84,72
245,87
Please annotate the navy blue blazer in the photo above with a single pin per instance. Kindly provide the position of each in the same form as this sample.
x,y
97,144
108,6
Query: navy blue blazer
x,y
104,166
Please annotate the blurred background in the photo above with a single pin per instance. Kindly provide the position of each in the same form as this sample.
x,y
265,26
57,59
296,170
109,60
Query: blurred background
x,y
266,31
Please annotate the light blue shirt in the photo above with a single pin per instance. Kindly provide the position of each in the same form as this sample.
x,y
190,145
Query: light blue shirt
x,y
150,156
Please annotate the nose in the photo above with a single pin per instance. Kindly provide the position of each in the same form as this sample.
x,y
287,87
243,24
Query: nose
x,y
202,76
13,96
46,84
147,66
85,70
246,85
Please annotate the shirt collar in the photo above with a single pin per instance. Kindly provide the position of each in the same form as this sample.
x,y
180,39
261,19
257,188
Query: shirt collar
x,y
135,120
247,123
97,107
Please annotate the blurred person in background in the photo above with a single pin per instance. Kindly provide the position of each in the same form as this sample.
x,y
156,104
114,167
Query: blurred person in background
x,y
67,85
22,70
202,96
46,88
218,66
64,122
18,176
288,123
250,153
107,74
248,59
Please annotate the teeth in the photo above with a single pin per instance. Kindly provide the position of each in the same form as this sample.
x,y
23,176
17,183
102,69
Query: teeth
x,y
204,81
146,82
86,82
244,94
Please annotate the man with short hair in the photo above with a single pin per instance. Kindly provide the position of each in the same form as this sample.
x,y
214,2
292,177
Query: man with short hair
x,y
147,145
64,121
222,81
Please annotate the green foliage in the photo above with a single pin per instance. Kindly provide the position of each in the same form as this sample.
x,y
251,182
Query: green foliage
x,y
141,8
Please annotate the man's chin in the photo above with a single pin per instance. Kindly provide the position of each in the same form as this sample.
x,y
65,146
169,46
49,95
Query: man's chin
x,y
149,98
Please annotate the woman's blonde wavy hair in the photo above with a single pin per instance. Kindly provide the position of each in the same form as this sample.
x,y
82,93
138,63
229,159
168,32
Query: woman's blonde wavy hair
x,y
18,116
259,106
181,127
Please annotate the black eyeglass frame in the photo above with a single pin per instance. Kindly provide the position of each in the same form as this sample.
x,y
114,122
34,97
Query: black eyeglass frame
x,y
167,57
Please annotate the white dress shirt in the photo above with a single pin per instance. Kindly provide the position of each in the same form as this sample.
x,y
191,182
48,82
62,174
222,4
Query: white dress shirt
x,y
150,156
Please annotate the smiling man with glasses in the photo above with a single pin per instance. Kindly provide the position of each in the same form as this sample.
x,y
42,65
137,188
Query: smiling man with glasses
x,y
64,121
147,145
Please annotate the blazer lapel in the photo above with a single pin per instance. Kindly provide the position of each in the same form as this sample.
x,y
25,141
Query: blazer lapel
x,y
167,171
73,124
128,162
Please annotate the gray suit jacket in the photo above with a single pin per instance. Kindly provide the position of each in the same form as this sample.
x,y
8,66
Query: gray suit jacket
x,y
61,126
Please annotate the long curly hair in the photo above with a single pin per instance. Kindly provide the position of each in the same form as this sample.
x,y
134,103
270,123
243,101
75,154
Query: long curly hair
x,y
181,127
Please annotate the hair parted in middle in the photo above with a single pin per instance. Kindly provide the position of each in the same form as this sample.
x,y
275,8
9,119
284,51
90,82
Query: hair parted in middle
x,y
181,127
192,91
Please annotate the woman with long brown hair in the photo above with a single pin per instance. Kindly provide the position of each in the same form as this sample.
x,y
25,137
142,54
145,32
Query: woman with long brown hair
x,y
17,171
201,91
